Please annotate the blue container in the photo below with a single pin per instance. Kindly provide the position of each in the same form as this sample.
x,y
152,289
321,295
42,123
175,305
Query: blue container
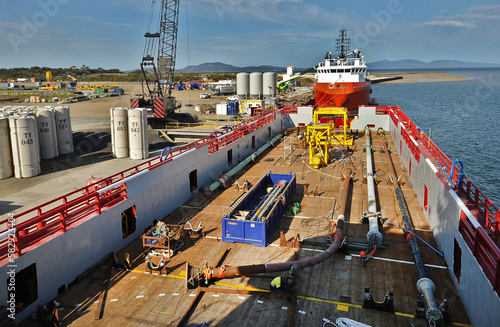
x,y
254,232
232,108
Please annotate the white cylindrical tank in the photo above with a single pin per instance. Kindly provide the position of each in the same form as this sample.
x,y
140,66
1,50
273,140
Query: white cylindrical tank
x,y
256,86
64,132
243,86
269,85
47,133
5,149
119,132
25,147
138,133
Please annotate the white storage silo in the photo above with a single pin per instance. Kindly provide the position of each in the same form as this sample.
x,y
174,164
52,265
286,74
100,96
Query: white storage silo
x,y
256,86
269,85
243,86
5,149
47,133
64,132
119,132
138,133
25,147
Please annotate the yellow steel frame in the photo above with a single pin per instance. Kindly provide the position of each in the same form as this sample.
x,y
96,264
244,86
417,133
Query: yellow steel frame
x,y
342,139
319,139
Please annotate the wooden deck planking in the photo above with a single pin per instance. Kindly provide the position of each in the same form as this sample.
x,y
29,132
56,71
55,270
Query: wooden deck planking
x,y
323,290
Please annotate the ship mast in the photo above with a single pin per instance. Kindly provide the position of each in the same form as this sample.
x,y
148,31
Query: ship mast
x,y
343,43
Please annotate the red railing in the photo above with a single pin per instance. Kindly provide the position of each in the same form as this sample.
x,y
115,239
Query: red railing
x,y
56,216
483,240
487,213
288,110
488,256
385,110
411,144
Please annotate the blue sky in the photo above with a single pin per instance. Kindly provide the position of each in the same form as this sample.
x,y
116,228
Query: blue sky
x,y
109,34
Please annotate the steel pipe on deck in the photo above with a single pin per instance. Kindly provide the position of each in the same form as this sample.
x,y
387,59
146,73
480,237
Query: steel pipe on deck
x,y
210,273
373,236
345,193
212,187
433,312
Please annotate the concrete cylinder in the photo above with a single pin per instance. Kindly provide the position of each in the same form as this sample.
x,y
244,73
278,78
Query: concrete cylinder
x,y
119,132
138,133
64,132
47,133
5,149
25,146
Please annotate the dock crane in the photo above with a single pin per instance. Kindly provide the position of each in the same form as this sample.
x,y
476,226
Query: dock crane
x,y
158,63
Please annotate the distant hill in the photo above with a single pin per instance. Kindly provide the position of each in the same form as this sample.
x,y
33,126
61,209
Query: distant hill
x,y
219,67
417,64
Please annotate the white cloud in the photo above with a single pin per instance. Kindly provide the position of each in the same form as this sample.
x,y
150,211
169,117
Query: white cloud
x,y
472,18
454,23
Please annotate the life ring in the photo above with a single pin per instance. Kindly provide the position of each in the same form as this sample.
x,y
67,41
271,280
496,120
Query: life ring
x,y
331,86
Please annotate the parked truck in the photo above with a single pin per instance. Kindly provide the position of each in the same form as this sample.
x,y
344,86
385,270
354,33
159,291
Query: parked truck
x,y
224,90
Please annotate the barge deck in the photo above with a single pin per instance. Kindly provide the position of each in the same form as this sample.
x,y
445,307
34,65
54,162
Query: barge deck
x,y
335,288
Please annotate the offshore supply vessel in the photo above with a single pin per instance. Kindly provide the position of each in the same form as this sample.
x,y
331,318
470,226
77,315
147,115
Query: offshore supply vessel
x,y
341,79
427,255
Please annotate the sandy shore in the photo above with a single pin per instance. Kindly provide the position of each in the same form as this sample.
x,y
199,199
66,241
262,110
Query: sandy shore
x,y
419,77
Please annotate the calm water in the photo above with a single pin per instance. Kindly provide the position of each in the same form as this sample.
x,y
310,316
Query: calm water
x,y
463,117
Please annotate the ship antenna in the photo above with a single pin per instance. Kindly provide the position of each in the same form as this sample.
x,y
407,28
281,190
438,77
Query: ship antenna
x,y
343,43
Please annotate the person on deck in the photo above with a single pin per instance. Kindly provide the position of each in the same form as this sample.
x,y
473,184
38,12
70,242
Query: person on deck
x,y
276,285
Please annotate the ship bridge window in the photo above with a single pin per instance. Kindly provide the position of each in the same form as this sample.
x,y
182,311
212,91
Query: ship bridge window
x,y
347,70
128,222
24,286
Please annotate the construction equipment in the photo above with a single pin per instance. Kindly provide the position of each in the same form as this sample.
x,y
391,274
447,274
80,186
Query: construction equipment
x,y
321,135
158,64
282,85
163,240
73,81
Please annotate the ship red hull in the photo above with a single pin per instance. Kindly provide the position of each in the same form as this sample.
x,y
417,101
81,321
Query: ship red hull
x,y
349,95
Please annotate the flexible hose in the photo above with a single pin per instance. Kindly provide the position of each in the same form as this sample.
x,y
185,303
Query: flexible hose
x,y
460,173
163,153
